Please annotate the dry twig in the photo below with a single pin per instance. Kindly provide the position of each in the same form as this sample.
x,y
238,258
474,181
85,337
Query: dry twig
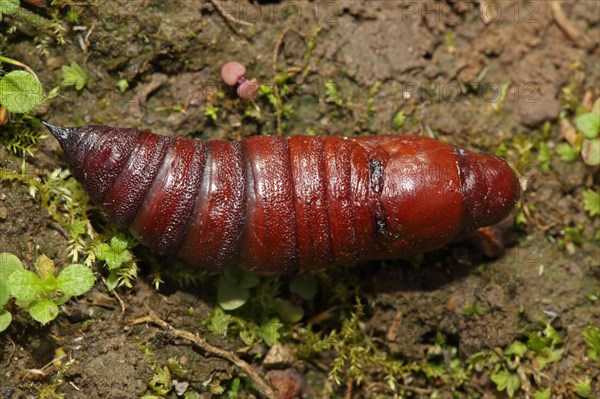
x,y
263,387
563,23
121,303
228,16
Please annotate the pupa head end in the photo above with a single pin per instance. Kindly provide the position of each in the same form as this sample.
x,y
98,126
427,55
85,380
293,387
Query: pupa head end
x,y
61,133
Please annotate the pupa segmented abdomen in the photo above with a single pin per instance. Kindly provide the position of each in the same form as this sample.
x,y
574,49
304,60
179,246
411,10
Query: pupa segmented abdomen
x,y
274,205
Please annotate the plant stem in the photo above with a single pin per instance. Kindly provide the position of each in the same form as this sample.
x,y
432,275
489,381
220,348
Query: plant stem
x,y
19,64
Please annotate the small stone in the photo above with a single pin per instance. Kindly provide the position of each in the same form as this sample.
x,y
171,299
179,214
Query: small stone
x,y
288,383
278,356
180,387
54,63
3,212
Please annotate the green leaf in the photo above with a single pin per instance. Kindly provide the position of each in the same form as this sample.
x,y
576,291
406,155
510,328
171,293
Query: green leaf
x,y
161,382
20,92
249,280
289,312
219,322
8,7
5,319
118,243
596,107
545,394
8,264
304,286
25,285
552,356
553,335
74,75
75,280
112,281
591,202
4,294
517,348
544,157
115,255
567,153
588,124
506,381
269,331
591,335
583,387
49,284
230,295
398,120
43,311
574,235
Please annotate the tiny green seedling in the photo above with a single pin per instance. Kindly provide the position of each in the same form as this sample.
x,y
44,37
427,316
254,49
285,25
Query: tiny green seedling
x,y
591,202
41,292
588,124
119,261
591,335
583,388
212,113
75,75
398,120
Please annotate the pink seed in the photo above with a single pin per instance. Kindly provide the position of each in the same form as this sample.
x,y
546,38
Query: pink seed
x,y
231,72
248,89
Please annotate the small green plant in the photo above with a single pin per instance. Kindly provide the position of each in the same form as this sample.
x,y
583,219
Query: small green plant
x,y
161,382
23,137
506,381
212,113
75,75
8,7
587,141
234,287
591,335
499,104
20,91
398,120
545,346
8,264
591,202
540,349
119,261
54,26
588,124
304,286
566,153
544,157
472,310
41,292
122,85
269,330
583,388
332,93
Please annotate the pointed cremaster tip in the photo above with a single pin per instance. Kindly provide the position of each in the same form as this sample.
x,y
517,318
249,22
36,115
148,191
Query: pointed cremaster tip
x,y
61,133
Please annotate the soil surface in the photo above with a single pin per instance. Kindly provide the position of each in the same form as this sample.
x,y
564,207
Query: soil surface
x,y
494,76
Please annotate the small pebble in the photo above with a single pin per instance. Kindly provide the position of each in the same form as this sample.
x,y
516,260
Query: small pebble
x,y
278,356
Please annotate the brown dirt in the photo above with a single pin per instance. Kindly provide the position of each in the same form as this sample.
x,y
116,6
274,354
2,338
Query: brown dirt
x,y
171,52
